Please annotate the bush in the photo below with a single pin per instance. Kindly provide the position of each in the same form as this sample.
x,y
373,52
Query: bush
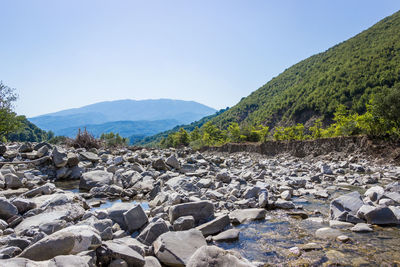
x,y
84,140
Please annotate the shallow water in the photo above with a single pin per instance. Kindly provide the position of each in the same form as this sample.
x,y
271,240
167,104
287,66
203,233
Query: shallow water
x,y
109,203
269,241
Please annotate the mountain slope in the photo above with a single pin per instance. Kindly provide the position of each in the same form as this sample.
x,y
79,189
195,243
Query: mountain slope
x,y
348,73
124,110
124,128
155,139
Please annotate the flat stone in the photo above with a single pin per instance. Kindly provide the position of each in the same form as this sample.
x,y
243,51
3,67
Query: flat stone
x,y
129,255
243,215
92,179
207,256
152,232
327,233
201,211
215,226
227,236
361,228
176,248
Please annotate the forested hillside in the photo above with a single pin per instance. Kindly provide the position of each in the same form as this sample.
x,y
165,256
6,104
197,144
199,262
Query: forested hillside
x,y
348,73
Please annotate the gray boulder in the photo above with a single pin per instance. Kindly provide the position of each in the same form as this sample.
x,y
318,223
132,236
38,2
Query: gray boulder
x,y
184,223
89,156
346,205
381,216
152,262
227,236
12,181
135,218
59,157
201,211
152,232
243,215
176,248
215,226
92,179
70,240
173,162
119,251
208,256
7,209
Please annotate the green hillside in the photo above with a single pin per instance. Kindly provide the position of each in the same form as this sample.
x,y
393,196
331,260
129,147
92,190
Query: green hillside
x,y
348,73
29,132
153,141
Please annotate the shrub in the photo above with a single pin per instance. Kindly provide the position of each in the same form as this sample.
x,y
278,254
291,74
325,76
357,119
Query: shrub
x,y
84,140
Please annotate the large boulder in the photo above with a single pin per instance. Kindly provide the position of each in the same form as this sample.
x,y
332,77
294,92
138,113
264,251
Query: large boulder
x,y
201,211
173,162
40,219
152,232
243,215
120,251
176,248
346,206
95,179
135,218
70,240
59,157
208,256
7,209
12,181
215,226
90,156
381,216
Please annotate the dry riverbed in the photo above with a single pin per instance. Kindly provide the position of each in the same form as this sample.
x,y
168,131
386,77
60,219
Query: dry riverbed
x,y
138,207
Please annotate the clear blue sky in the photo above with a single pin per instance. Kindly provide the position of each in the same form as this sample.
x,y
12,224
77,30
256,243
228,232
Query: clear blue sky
x,y
64,54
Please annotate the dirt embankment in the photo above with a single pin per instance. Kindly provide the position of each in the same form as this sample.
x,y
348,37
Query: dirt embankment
x,y
361,145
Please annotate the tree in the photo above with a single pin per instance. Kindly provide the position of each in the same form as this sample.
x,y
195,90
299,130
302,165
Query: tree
x,y
9,121
234,132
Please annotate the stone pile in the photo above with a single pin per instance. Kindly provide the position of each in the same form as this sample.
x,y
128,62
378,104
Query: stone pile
x,y
195,200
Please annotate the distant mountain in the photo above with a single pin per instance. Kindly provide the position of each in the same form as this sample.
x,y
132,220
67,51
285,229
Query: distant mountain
x,y
124,113
348,73
139,129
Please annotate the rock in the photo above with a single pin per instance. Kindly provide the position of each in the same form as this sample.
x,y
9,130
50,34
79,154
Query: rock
x,y
7,209
116,213
159,165
70,240
126,253
12,181
251,192
215,226
118,161
42,151
59,157
23,205
361,228
72,260
46,189
223,176
286,195
263,199
326,169
283,204
3,225
381,216
73,159
374,193
40,219
345,205
173,162
243,215
151,262
25,147
135,218
310,246
152,232
171,251
90,156
208,256
227,236
95,179
340,224
3,149
204,183
53,226
343,238
184,223
327,233
201,211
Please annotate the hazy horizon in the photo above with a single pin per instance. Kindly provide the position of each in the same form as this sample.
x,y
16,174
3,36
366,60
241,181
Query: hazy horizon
x,y
68,54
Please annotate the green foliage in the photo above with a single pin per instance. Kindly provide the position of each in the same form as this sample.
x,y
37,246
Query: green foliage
x,y
28,132
9,121
290,133
234,134
348,73
113,140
